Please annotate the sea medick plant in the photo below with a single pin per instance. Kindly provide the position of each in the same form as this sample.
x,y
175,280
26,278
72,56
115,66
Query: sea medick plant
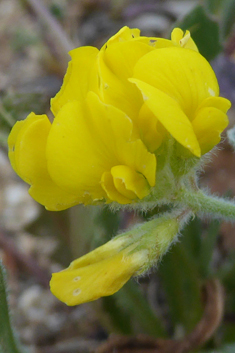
x,y
132,122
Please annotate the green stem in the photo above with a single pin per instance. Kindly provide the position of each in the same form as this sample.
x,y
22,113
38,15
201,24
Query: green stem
x,y
198,201
8,341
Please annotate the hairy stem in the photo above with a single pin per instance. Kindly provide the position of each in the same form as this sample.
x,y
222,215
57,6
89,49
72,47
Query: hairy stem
x,y
198,201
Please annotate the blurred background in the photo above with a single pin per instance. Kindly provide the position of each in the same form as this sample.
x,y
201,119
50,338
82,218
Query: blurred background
x,y
35,36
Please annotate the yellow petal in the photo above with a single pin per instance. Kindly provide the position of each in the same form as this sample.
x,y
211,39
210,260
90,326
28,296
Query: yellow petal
x,y
73,156
12,139
119,184
124,34
184,40
111,248
48,194
150,129
114,129
182,74
121,57
27,144
208,125
130,183
85,142
220,103
93,281
116,61
171,116
113,194
121,94
124,184
78,79
127,34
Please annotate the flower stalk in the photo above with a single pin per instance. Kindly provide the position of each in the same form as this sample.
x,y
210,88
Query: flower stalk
x,y
198,201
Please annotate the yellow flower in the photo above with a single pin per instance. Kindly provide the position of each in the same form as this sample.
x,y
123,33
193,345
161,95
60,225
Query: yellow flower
x,y
115,109
105,270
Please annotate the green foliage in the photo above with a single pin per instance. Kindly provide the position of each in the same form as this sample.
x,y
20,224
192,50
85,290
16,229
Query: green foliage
x,y
204,30
119,317
8,341
131,299
181,282
129,308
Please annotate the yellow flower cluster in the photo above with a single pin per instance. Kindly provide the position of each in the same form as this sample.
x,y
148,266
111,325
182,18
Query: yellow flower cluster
x,y
114,111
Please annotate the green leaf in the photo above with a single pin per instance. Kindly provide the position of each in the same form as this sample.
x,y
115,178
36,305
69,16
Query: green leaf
x,y
204,31
227,17
8,342
182,285
118,315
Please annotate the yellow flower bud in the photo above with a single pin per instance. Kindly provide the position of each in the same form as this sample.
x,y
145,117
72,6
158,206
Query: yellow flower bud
x,y
115,113
105,270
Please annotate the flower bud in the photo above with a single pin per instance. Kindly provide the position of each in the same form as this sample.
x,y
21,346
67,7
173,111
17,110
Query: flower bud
x,y
105,270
